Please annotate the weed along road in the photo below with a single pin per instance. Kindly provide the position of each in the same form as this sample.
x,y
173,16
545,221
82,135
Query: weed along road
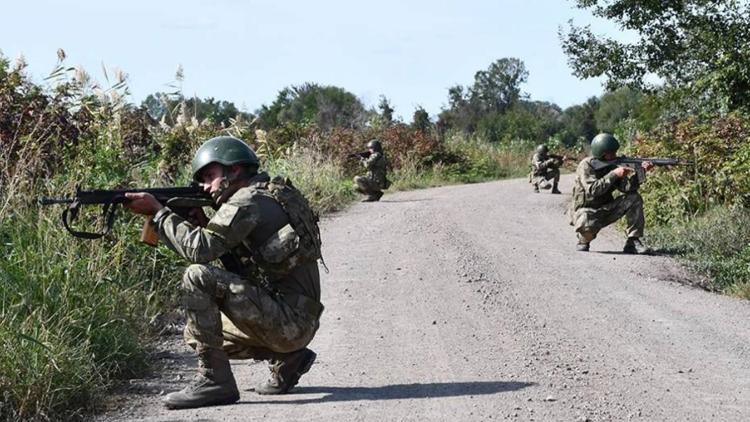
x,y
470,303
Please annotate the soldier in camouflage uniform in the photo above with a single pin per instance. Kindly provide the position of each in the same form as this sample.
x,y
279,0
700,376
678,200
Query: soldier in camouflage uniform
x,y
545,168
373,184
265,303
594,206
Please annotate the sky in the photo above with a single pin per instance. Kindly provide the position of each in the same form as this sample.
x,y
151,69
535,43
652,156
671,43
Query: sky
x,y
247,51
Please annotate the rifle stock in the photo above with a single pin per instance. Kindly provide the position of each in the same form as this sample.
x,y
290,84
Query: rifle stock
x,y
149,235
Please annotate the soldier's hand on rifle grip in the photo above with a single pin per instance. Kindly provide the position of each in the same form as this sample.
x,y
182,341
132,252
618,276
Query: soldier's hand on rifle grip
x,y
623,171
197,217
142,203
647,165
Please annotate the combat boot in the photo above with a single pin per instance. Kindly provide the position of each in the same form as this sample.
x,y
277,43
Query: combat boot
x,y
536,188
582,247
634,246
373,197
555,190
286,372
213,385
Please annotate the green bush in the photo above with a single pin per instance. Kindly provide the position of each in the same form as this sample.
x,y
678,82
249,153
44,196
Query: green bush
x,y
719,150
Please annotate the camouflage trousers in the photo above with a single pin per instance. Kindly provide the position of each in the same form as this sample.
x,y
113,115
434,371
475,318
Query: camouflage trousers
x,y
366,186
541,180
589,221
225,311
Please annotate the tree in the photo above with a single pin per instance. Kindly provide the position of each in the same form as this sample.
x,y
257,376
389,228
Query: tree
x,y
325,106
579,122
700,46
499,87
386,111
421,120
616,106
494,92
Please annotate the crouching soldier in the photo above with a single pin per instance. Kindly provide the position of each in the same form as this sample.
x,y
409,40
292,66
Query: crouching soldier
x,y
545,167
594,206
375,181
264,303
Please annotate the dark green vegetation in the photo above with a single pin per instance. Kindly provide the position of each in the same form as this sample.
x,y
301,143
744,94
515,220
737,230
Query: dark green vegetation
x,y
75,316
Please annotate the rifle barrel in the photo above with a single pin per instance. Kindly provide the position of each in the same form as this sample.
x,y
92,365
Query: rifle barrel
x,y
52,201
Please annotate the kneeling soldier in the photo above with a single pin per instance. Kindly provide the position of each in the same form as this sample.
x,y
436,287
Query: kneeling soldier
x,y
265,302
545,167
594,205
375,162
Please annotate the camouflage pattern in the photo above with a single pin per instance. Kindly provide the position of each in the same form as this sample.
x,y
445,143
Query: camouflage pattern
x,y
252,311
544,168
594,205
375,181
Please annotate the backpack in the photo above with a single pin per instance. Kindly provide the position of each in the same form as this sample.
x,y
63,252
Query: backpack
x,y
302,218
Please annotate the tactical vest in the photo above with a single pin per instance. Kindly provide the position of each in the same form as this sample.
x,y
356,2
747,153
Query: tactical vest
x,y
297,242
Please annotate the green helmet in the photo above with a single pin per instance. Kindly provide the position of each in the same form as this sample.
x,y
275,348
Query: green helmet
x,y
542,149
602,144
376,145
225,150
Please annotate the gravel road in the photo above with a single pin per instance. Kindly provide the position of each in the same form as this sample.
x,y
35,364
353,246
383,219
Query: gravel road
x,y
470,303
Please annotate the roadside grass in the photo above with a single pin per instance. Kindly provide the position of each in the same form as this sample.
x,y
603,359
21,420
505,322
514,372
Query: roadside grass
x,y
323,182
72,313
479,161
715,244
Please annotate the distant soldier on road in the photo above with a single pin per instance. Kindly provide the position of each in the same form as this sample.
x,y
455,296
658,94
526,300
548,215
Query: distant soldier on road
x,y
594,206
263,302
375,162
545,167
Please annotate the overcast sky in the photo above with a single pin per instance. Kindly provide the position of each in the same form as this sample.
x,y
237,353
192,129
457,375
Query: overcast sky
x,y
246,51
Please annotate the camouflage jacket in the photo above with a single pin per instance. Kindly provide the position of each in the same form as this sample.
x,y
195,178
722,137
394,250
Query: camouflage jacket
x,y
249,228
541,163
594,188
376,168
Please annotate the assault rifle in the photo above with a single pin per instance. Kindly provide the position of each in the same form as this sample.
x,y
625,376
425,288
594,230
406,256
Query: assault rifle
x,y
636,163
560,157
360,154
178,199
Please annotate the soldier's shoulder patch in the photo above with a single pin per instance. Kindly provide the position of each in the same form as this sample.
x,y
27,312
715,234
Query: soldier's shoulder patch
x,y
224,216
242,197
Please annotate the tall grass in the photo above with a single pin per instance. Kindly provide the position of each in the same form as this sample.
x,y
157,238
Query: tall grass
x,y
72,312
323,182
477,161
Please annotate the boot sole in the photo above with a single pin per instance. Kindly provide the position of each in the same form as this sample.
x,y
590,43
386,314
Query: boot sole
x,y
222,402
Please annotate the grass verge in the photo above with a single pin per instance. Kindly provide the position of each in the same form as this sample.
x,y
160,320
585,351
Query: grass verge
x,y
715,244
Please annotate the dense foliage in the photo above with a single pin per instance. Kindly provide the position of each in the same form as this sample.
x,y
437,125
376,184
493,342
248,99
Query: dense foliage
x,y
698,46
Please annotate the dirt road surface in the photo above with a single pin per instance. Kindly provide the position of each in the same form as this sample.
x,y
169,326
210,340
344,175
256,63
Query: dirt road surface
x,y
470,303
